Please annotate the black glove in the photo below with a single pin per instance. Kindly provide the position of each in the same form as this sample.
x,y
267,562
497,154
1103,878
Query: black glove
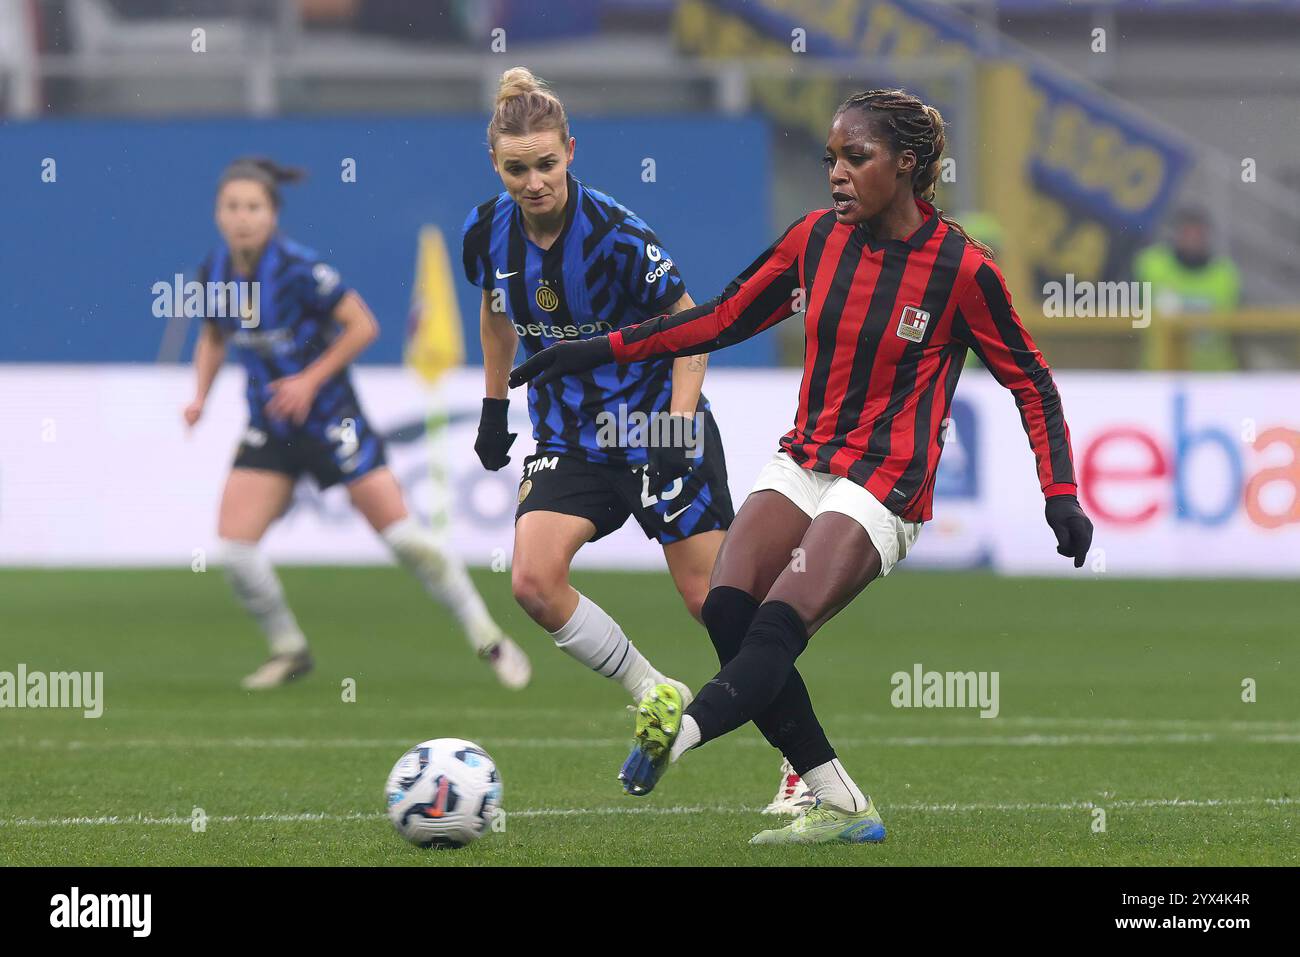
x,y
668,463
563,358
1073,529
493,442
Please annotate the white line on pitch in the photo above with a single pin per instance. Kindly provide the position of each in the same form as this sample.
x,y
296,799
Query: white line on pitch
x,y
894,718
118,820
892,741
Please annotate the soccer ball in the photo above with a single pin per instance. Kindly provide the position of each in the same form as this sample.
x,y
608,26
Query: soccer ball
x,y
443,793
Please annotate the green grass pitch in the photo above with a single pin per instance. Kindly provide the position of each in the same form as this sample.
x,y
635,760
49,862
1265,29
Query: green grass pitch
x,y
1122,695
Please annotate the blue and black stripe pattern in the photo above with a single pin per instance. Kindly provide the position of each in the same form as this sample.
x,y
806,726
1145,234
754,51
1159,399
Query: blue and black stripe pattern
x,y
606,270
282,331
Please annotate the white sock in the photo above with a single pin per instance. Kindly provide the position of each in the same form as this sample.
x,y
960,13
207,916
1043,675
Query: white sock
x,y
833,786
596,640
443,577
687,738
258,589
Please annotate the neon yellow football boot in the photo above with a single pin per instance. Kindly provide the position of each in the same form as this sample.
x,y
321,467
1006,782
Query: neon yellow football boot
x,y
658,721
823,824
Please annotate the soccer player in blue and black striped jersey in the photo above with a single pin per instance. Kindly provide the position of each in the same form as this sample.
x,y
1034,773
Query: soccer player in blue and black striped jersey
x,y
558,260
295,326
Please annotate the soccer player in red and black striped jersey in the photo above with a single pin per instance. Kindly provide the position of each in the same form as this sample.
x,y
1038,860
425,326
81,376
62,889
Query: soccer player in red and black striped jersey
x,y
895,293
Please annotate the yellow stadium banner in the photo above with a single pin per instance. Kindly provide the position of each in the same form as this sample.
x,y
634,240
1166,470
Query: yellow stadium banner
x,y
435,341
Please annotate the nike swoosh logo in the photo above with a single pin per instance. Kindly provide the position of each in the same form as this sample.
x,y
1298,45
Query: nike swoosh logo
x,y
669,518
507,275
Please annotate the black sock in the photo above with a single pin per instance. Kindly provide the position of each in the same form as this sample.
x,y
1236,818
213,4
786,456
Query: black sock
x,y
750,682
788,723
727,613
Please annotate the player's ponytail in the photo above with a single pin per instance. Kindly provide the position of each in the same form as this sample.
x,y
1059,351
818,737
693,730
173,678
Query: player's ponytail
x,y
907,123
263,170
525,104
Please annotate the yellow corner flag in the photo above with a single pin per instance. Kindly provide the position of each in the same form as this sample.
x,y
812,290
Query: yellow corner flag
x,y
434,340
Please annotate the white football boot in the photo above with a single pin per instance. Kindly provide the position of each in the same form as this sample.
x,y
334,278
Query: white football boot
x,y
793,796
279,670
508,660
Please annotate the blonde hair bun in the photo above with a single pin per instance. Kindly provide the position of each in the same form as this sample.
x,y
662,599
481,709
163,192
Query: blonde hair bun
x,y
517,81
525,104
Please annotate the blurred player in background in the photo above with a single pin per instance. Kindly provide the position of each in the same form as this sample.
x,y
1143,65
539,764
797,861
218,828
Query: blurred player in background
x,y
896,294
304,418
558,261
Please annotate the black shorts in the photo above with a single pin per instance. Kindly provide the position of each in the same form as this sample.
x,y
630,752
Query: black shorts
x,y
608,494
340,451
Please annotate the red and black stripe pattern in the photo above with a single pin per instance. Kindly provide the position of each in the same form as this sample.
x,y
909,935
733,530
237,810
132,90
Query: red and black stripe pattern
x,y
887,324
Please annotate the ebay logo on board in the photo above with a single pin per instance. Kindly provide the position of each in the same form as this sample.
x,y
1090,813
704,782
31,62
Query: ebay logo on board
x,y
1195,473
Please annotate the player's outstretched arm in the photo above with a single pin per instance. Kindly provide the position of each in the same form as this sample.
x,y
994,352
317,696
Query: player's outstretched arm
x,y
757,299
564,358
989,324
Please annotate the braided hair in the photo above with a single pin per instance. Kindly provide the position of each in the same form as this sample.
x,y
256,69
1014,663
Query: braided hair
x,y
907,123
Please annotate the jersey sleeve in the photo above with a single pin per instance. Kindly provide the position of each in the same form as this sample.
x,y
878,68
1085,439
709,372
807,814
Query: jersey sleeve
x,y
647,271
757,299
475,244
987,322
323,287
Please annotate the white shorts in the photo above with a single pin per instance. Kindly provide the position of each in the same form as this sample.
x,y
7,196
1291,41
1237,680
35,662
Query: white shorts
x,y
818,492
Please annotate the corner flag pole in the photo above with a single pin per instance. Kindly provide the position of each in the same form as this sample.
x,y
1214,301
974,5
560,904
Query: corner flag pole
x,y
434,343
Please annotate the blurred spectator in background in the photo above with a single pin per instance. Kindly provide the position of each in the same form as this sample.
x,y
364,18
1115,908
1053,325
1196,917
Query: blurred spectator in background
x,y
1187,277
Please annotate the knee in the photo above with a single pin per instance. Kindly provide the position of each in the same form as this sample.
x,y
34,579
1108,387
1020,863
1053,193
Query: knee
x,y
779,627
694,592
535,589
719,607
